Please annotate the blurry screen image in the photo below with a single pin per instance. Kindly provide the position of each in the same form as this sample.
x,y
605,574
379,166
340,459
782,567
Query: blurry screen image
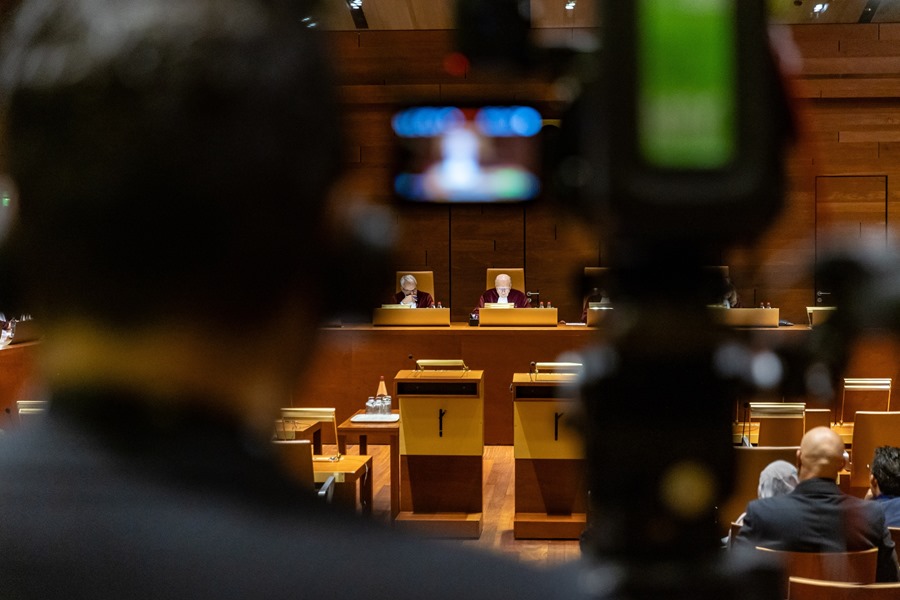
x,y
468,154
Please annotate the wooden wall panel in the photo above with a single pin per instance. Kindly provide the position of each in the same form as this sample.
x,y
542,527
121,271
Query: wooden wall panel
x,y
394,57
482,237
847,98
557,249
423,244
850,212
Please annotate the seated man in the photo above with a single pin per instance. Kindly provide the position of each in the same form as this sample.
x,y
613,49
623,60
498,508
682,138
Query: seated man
x,y
410,294
503,293
885,483
817,516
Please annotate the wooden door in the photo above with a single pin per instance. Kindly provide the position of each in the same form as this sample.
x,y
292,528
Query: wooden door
x,y
851,213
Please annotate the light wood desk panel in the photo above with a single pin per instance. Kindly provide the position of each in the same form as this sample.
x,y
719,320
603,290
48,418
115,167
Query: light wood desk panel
x,y
346,367
349,361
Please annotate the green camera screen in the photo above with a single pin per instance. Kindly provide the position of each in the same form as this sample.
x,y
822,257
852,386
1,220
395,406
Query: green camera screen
x,y
686,59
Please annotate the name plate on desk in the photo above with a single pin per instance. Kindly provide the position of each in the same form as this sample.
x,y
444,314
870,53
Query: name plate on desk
x,y
746,317
432,317
534,317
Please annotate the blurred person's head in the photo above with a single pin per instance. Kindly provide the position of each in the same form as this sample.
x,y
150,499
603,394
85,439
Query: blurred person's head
x,y
885,469
172,159
821,454
503,283
778,478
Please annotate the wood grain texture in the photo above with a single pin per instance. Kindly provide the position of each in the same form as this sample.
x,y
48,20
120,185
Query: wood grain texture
x,y
847,102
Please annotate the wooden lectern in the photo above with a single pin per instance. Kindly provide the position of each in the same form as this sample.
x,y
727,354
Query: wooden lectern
x,y
551,497
441,450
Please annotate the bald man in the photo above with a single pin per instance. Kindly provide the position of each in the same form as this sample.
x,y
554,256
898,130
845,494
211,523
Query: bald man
x,y
503,293
817,516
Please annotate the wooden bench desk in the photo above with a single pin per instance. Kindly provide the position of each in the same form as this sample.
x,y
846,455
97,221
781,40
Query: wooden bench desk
x,y
347,471
360,432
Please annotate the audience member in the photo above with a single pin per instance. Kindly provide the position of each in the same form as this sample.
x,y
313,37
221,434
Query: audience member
x,y
778,478
173,158
409,294
884,483
503,293
817,516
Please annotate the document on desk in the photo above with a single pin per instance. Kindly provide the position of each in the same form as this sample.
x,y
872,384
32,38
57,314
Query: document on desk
x,y
365,418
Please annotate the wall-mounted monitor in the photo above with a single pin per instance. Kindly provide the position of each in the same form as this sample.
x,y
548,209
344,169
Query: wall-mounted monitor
x,y
467,153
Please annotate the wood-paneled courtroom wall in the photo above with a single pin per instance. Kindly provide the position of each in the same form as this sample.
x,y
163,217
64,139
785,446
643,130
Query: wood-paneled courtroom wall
x,y
847,97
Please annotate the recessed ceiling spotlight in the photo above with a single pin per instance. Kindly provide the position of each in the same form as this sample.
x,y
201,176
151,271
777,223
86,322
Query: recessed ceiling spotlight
x,y
570,4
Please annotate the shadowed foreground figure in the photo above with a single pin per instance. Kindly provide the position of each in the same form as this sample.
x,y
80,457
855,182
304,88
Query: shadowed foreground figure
x,y
817,516
173,160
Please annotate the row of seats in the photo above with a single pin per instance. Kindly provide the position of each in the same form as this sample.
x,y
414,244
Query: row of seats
x,y
832,575
871,429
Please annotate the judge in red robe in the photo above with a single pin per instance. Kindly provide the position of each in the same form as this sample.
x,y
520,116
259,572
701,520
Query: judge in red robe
x,y
410,294
503,292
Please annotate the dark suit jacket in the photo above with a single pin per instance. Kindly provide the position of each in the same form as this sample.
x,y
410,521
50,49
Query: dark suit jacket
x,y
111,499
891,507
818,517
423,299
515,297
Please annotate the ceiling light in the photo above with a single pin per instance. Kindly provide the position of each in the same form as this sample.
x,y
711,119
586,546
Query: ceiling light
x,y
570,4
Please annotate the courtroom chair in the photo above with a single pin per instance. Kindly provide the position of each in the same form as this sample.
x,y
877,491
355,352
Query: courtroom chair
x,y
851,567
596,277
803,588
733,531
296,457
749,461
517,275
870,430
780,423
299,416
864,393
424,281
816,417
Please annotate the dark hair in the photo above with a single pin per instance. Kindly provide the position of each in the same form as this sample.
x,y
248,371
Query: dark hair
x,y
886,469
172,156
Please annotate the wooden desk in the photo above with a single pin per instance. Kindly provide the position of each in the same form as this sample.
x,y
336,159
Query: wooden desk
x,y
361,432
301,430
550,487
347,471
441,452
348,362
